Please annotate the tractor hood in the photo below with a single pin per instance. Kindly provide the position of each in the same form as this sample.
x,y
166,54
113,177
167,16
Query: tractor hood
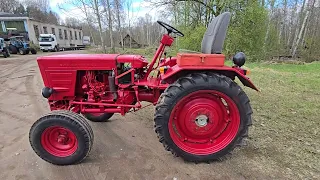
x,y
89,61
60,71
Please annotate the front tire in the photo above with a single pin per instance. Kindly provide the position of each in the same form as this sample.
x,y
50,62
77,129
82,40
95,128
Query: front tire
x,y
202,117
33,51
98,117
61,138
22,51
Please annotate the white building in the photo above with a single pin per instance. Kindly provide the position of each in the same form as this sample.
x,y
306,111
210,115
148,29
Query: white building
x,y
66,36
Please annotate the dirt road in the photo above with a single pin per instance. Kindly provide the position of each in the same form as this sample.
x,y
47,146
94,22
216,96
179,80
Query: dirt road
x,y
125,148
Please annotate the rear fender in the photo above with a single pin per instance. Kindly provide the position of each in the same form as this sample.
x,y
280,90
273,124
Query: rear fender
x,y
175,72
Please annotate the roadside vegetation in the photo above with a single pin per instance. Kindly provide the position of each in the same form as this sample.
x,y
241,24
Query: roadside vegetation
x,y
286,118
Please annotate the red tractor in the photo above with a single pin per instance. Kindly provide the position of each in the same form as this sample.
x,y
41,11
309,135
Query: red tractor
x,y
201,114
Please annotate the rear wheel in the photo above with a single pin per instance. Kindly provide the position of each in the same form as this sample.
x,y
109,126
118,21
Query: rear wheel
x,y
8,53
202,117
22,51
13,49
98,117
5,55
61,137
33,51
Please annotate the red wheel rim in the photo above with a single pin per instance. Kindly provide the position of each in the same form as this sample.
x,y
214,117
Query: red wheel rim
x,y
204,122
59,141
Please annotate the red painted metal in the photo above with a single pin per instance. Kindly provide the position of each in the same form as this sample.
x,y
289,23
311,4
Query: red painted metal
x,y
235,71
80,82
59,141
196,60
221,127
104,104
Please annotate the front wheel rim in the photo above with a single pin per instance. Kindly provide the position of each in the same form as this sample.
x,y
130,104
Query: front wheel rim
x,y
59,141
204,122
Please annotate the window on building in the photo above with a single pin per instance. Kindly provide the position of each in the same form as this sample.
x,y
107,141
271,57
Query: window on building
x,y
60,34
65,34
80,35
15,24
36,30
75,35
45,30
53,31
71,35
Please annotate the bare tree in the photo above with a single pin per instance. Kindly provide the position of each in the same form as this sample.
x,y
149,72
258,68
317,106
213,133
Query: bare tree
x,y
302,29
8,5
118,6
97,13
129,3
107,9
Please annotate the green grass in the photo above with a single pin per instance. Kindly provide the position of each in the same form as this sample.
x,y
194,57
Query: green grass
x,y
286,128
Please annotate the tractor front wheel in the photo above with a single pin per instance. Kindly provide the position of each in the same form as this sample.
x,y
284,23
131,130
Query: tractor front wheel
x,y
202,117
5,53
61,138
22,51
98,117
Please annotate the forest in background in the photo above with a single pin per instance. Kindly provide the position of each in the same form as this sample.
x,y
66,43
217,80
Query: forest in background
x,y
263,29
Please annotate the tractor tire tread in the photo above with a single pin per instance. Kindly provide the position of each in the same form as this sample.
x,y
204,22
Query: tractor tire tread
x,y
63,117
168,98
102,118
82,120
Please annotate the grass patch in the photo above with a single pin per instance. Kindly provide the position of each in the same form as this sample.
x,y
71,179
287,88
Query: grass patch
x,y
286,128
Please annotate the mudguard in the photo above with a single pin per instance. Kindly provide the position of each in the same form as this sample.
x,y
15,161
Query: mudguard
x,y
175,71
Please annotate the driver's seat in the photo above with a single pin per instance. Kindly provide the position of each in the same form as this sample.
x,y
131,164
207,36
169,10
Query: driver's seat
x,y
213,39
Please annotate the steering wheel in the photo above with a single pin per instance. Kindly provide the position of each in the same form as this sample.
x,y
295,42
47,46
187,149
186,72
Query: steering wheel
x,y
170,29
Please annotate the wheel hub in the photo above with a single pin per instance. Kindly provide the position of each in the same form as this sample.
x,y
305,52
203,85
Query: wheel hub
x,y
59,141
201,120
204,122
62,139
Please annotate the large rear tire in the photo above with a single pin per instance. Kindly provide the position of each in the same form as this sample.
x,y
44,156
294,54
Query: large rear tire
x,y
13,49
202,117
61,138
98,117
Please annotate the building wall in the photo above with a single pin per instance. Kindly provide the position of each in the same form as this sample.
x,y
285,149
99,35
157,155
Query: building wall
x,y
33,36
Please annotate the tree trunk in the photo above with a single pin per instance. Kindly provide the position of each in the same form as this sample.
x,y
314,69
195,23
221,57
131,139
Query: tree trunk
x,y
88,21
291,23
96,9
268,25
303,27
119,22
298,26
108,12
